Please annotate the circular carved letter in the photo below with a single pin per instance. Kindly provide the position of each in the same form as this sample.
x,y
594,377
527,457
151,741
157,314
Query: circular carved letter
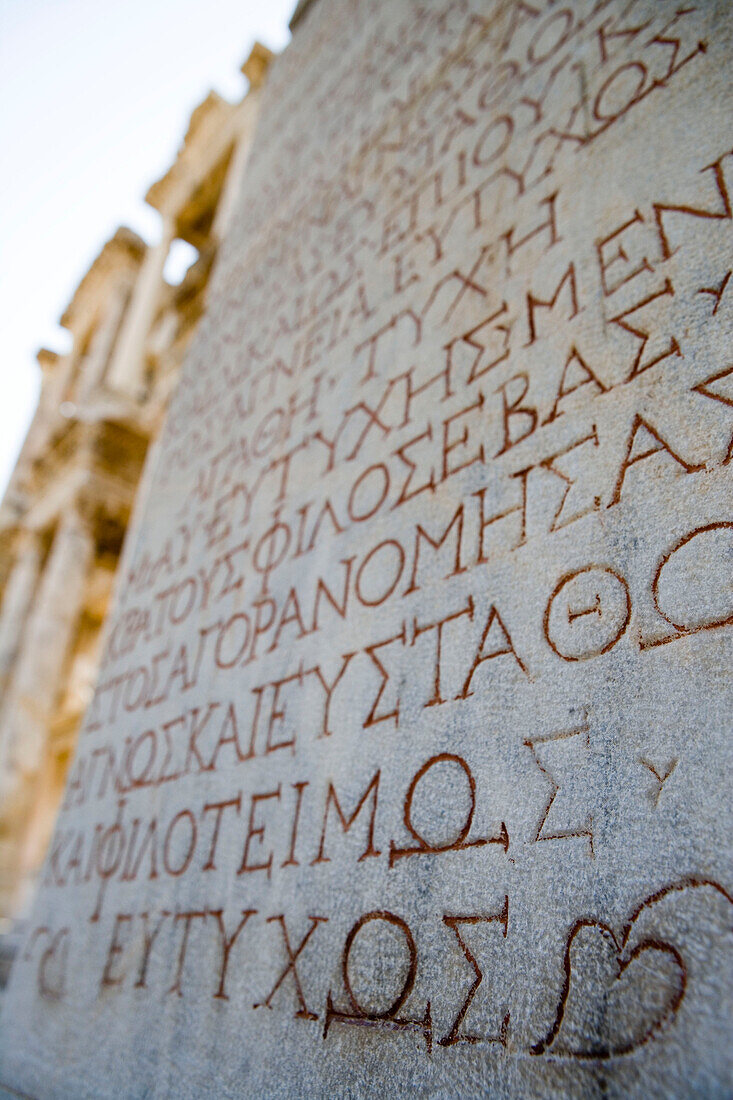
x,y
587,613
397,922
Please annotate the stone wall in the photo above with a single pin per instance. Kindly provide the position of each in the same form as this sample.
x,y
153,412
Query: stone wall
x,y
406,770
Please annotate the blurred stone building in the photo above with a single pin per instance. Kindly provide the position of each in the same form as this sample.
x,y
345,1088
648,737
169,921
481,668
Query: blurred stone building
x,y
66,510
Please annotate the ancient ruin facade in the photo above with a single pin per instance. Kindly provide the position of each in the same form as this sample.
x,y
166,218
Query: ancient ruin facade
x,y
67,508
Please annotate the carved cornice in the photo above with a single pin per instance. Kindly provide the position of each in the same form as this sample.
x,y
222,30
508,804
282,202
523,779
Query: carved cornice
x,y
47,360
256,66
92,466
190,165
124,247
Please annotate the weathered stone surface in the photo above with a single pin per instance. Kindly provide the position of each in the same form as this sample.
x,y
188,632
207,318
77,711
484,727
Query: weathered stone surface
x,y
406,771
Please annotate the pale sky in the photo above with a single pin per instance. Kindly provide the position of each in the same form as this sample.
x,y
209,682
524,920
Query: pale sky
x,y
95,97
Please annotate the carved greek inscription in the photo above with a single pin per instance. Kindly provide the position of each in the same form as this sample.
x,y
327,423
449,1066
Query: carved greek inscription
x,y
545,829
456,1035
380,1017
442,487
626,949
661,775
291,968
459,841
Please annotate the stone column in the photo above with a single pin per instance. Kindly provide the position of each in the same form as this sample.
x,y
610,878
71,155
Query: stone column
x,y
100,352
17,601
237,165
126,367
49,631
